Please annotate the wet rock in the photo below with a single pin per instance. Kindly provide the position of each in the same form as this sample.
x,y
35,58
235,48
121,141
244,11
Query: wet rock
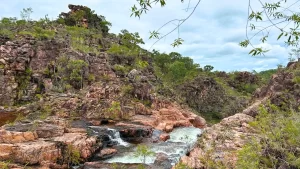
x,y
107,153
104,134
134,133
163,161
164,137
199,122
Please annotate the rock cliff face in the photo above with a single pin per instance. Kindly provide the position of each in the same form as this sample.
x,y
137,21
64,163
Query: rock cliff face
x,y
40,101
282,90
24,66
218,145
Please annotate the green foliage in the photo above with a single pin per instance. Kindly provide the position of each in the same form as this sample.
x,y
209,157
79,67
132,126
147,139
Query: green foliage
x,y
122,51
76,69
296,79
127,89
84,40
72,155
140,64
94,21
7,33
277,140
294,54
23,80
38,33
249,156
25,14
128,46
181,165
207,161
177,71
91,78
208,68
120,68
73,72
177,42
45,112
270,12
266,75
130,40
174,68
114,110
144,152
5,164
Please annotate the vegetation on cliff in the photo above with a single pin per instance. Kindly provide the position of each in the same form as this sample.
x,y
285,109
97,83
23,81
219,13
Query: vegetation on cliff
x,y
73,67
176,77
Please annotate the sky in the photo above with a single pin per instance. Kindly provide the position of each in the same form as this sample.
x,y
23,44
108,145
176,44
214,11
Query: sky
x,y
211,35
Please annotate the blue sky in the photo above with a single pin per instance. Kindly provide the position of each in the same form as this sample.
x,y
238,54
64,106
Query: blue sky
x,y
211,35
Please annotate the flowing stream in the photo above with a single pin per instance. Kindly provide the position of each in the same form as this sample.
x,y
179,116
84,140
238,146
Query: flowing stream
x,y
180,143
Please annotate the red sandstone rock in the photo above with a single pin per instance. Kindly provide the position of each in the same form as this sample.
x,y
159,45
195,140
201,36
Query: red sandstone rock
x,y
226,137
107,152
164,137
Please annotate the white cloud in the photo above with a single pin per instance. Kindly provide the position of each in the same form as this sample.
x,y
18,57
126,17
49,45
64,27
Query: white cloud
x,y
211,35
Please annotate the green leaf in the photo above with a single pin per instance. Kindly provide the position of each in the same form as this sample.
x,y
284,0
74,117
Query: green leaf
x,y
280,36
162,2
252,51
177,42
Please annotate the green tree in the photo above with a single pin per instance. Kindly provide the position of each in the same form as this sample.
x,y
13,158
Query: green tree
x,y
26,13
177,71
208,68
144,152
294,54
77,69
130,40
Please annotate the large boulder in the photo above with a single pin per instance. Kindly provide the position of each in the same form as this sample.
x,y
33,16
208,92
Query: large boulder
x,y
221,141
134,133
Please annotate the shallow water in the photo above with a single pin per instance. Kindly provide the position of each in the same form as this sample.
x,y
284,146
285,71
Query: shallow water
x,y
180,143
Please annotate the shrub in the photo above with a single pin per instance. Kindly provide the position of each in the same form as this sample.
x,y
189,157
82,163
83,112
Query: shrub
x,y
127,89
277,141
140,64
144,152
114,110
122,51
71,72
296,80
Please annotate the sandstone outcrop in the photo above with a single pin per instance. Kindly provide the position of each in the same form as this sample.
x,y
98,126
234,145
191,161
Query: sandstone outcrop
x,y
166,116
39,147
220,142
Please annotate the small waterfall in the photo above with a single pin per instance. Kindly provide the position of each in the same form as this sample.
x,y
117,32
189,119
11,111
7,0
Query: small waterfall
x,y
181,141
112,134
117,138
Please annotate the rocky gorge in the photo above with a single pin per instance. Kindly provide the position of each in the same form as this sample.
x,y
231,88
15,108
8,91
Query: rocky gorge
x,y
42,127
74,95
